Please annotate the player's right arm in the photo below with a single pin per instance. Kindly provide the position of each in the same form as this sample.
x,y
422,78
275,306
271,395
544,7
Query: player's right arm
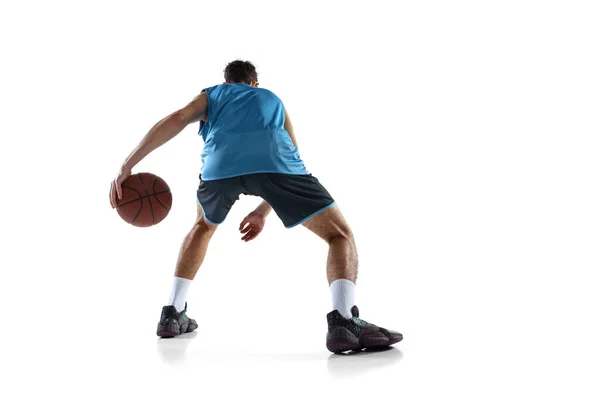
x,y
163,131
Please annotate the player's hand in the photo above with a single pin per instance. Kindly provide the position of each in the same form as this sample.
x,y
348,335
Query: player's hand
x,y
115,186
252,225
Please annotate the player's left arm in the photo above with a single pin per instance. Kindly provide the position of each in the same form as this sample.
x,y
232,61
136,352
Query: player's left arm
x,y
163,131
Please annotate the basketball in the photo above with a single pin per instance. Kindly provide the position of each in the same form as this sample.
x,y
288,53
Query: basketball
x,y
146,200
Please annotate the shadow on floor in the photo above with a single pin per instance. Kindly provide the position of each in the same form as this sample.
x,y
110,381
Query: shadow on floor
x,y
357,363
172,350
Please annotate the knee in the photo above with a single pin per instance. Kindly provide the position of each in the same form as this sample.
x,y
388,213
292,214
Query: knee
x,y
340,234
201,227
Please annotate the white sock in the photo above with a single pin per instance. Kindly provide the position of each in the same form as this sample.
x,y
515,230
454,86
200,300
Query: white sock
x,y
342,295
179,293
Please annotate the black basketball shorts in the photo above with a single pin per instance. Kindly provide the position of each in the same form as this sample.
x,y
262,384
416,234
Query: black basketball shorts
x,y
294,198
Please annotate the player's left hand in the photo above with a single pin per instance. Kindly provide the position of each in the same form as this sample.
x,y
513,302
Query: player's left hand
x,y
252,225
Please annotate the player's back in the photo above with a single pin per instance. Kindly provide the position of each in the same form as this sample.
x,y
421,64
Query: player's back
x,y
245,134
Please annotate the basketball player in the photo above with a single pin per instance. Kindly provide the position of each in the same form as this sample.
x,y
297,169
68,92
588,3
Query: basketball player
x,y
250,148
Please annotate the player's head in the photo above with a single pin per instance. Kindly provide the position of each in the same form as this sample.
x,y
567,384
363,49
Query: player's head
x,y
239,71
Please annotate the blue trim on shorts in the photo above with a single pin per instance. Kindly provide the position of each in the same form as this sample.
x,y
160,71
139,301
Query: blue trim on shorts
x,y
205,217
311,215
258,171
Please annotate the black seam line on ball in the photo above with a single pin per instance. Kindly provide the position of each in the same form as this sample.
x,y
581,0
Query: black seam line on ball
x,y
141,197
156,197
149,201
141,203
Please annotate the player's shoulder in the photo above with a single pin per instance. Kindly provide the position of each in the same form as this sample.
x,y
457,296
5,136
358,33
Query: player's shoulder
x,y
226,87
266,93
210,89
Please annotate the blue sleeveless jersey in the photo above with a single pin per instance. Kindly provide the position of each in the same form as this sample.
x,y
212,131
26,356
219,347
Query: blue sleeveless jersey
x,y
244,134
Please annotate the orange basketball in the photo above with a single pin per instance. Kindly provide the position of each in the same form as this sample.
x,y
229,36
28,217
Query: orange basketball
x,y
146,200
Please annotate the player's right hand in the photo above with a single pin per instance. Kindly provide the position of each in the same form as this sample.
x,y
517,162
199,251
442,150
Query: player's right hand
x,y
252,225
116,191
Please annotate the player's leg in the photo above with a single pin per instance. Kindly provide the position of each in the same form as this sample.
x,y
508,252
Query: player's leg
x,y
301,199
174,319
193,248
214,200
346,330
342,259
191,255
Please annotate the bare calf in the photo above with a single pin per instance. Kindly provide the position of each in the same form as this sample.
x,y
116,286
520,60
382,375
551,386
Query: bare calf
x,y
342,260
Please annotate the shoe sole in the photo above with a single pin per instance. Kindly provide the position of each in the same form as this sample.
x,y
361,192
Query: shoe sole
x,y
394,341
166,333
340,340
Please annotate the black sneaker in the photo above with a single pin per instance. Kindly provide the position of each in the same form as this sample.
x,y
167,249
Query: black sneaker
x,y
355,334
173,323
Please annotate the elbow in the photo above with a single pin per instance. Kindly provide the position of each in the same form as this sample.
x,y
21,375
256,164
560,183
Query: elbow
x,y
179,118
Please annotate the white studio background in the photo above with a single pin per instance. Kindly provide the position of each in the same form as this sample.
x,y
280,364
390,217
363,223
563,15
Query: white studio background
x,y
460,139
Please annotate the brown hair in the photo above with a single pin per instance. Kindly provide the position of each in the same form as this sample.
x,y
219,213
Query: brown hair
x,y
239,71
